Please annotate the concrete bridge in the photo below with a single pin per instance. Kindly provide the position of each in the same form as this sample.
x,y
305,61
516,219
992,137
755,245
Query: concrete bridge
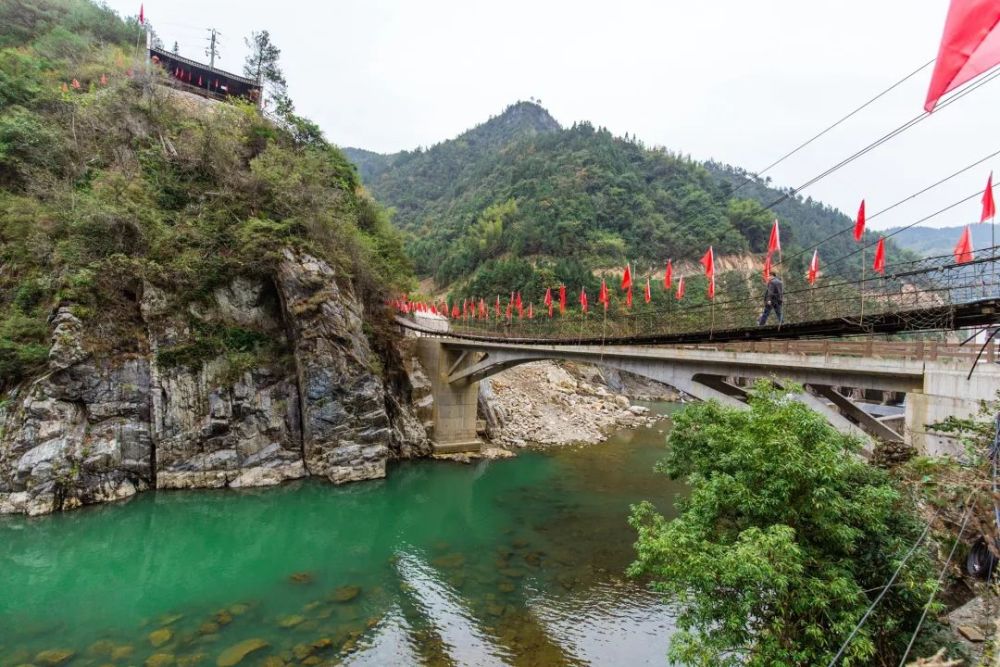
x,y
931,377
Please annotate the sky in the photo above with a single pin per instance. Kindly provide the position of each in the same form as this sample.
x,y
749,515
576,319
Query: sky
x,y
735,81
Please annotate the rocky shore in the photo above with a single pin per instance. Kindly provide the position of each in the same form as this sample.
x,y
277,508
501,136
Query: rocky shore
x,y
546,403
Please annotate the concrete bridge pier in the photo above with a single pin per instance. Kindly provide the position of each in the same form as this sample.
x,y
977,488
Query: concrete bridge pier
x,y
455,403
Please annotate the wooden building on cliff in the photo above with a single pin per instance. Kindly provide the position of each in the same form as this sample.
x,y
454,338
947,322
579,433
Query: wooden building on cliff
x,y
204,80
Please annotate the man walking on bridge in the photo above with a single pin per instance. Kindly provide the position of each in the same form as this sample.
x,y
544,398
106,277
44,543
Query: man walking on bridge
x,y
772,299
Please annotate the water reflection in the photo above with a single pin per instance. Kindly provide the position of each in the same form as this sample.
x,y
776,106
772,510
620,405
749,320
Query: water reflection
x,y
516,562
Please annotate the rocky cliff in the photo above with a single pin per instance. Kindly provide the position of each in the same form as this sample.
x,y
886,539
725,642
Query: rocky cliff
x,y
99,426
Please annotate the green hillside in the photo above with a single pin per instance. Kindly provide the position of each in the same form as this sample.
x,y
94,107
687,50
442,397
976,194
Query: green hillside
x,y
107,183
521,199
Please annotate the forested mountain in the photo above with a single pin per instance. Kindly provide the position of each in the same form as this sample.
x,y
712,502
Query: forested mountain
x,y
932,242
521,198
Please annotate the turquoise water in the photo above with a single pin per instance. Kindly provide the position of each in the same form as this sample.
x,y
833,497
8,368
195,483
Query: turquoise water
x,y
514,562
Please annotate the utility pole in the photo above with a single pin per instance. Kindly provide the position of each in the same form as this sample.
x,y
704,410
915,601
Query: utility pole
x,y
212,51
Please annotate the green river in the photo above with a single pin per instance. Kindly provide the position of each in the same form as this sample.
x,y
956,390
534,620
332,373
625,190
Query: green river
x,y
516,562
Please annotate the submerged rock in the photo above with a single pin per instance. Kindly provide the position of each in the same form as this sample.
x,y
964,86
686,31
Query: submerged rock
x,y
160,660
160,637
301,578
291,621
345,593
235,654
54,656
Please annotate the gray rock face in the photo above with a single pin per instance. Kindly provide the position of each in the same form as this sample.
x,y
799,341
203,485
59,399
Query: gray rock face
x,y
93,431
346,430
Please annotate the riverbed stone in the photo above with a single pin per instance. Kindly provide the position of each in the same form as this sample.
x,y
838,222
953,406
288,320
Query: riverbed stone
x,y
122,652
345,593
54,657
160,637
160,660
235,654
291,621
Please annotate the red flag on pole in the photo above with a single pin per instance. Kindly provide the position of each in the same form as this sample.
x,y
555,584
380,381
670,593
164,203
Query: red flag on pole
x,y
774,243
627,278
767,268
708,261
963,251
859,224
142,14
562,299
548,300
668,276
879,264
989,207
680,288
602,296
583,299
970,45
648,295
455,313
813,268
483,312
628,298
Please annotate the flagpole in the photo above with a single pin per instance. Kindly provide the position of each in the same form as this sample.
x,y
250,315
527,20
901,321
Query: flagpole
x,y
862,318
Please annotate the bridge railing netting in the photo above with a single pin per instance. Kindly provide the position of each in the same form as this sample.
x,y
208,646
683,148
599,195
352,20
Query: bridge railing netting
x,y
917,291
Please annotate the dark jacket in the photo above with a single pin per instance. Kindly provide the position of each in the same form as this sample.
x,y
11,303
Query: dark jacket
x,y
775,291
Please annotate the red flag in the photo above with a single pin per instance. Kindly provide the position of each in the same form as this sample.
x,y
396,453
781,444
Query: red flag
x,y
517,301
628,298
767,268
970,45
859,224
711,287
963,251
602,296
989,207
483,312
648,295
680,288
774,243
627,278
75,85
708,261
668,276
814,268
510,307
142,14
879,264
548,296
562,299
455,312
583,299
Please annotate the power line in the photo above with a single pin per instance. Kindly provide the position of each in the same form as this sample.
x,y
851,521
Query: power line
x,y
885,588
912,224
837,123
898,203
883,139
940,579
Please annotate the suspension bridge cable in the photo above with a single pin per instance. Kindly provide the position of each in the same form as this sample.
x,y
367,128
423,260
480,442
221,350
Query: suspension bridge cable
x,y
891,206
883,139
885,588
905,227
837,123
940,580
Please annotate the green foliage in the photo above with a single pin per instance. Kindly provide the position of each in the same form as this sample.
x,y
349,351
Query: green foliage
x,y
209,341
110,187
786,538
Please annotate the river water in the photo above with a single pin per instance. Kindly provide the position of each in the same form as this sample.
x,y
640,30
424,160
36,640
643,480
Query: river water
x,y
515,562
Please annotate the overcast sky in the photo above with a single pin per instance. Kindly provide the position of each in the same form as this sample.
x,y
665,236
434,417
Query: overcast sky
x,y
737,81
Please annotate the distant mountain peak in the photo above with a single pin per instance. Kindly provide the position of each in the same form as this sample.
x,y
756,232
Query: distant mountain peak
x,y
517,121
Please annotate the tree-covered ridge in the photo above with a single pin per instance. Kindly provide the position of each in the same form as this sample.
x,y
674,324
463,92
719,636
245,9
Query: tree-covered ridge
x,y
109,181
518,191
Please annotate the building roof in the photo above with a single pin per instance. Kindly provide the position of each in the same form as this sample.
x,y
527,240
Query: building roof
x,y
163,53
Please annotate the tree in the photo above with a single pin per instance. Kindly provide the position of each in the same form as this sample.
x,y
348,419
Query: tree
x,y
785,540
177,48
262,65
